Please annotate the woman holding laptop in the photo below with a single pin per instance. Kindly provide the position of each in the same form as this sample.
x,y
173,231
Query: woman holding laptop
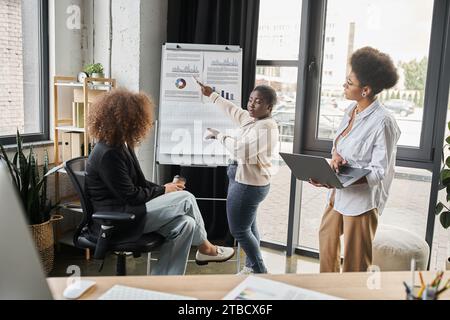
x,y
366,138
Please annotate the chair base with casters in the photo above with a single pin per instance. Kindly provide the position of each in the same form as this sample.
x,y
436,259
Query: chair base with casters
x,y
145,244
110,239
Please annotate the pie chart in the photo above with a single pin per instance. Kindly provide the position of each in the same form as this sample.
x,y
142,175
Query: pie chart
x,y
180,83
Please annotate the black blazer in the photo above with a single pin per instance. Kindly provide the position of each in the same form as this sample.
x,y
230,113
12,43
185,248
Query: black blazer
x,y
115,182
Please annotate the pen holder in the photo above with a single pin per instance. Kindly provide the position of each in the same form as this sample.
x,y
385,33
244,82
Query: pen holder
x,y
413,294
429,293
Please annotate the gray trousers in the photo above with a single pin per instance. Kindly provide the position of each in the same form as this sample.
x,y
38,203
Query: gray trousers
x,y
176,217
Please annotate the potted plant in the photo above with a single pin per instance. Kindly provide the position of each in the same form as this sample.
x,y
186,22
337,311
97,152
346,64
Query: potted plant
x,y
443,210
95,70
32,189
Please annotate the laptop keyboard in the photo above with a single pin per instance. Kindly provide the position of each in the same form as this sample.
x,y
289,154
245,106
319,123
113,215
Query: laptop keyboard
x,y
344,178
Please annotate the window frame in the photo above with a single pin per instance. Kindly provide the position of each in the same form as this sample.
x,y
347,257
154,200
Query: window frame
x,y
415,157
427,156
43,84
293,64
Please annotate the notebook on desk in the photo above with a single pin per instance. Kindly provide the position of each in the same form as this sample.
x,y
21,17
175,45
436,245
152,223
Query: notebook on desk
x,y
119,292
257,288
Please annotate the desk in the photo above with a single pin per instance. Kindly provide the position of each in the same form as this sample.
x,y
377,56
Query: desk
x,y
347,285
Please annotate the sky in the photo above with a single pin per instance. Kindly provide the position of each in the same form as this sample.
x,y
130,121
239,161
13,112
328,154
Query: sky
x,y
399,27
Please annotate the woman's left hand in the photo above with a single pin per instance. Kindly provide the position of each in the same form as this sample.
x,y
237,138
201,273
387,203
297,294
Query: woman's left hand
x,y
172,187
337,161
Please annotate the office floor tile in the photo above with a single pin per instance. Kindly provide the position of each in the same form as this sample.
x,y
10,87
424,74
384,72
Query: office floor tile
x,y
69,260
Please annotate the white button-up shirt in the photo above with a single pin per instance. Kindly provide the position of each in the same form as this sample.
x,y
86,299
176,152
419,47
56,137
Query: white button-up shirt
x,y
370,144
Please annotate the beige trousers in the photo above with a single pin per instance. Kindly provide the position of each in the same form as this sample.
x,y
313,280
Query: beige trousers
x,y
358,232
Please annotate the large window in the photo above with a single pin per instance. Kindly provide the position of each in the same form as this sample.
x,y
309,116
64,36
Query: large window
x,y
278,45
415,34
24,70
349,25
441,237
352,24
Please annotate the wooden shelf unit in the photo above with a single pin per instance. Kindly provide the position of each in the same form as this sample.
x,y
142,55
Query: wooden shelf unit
x,y
84,92
88,92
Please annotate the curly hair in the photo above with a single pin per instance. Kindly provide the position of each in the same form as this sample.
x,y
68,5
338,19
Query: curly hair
x,y
374,69
121,116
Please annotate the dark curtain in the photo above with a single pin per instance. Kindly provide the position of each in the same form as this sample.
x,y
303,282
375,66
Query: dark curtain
x,y
225,22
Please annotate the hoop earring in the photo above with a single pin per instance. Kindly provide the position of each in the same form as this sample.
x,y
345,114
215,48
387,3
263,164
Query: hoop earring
x,y
363,94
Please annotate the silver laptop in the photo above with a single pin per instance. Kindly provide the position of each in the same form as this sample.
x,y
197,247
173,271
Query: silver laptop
x,y
21,273
305,167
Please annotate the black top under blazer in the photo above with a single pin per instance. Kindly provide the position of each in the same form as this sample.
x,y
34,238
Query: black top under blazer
x,y
115,183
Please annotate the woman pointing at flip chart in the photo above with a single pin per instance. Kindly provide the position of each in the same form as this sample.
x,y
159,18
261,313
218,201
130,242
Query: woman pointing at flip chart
x,y
251,164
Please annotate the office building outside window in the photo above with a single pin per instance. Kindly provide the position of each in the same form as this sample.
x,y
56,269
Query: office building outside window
x,y
336,29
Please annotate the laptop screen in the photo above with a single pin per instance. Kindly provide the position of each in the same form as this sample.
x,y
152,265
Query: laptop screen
x,y
21,273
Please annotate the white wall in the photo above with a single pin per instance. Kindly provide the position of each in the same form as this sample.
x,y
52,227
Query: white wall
x,y
153,35
65,51
138,31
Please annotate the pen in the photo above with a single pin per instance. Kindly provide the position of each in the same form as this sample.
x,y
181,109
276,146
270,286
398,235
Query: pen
x,y
419,295
446,286
408,290
438,279
196,80
421,279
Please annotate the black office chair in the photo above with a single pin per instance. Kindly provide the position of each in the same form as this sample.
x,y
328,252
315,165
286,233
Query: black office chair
x,y
110,239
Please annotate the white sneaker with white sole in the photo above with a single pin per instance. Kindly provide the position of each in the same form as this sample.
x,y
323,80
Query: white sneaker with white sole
x,y
245,270
223,254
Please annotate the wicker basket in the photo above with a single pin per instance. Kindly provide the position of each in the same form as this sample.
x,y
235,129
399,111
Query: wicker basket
x,y
42,235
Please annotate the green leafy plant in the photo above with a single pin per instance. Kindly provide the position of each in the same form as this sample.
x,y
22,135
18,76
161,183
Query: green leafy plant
x,y
441,209
30,185
93,68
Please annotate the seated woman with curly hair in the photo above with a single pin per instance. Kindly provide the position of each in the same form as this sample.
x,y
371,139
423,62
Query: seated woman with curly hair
x,y
119,121
366,138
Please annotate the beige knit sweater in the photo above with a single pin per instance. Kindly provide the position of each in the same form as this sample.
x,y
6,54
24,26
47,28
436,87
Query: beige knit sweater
x,y
254,145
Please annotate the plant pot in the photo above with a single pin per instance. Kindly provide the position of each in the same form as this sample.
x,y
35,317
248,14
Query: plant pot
x,y
44,241
97,75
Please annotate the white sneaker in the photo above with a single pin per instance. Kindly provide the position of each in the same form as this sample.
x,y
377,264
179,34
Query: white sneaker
x,y
223,254
245,270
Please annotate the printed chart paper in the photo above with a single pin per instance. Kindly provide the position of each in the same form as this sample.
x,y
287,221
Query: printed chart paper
x,y
256,288
185,114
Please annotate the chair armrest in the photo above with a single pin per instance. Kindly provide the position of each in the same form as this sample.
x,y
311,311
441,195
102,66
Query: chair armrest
x,y
109,218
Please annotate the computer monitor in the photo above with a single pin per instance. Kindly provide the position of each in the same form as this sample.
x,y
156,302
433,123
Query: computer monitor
x,y
21,272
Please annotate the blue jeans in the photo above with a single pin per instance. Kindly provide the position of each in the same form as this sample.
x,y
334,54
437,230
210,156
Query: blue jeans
x,y
242,204
175,216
